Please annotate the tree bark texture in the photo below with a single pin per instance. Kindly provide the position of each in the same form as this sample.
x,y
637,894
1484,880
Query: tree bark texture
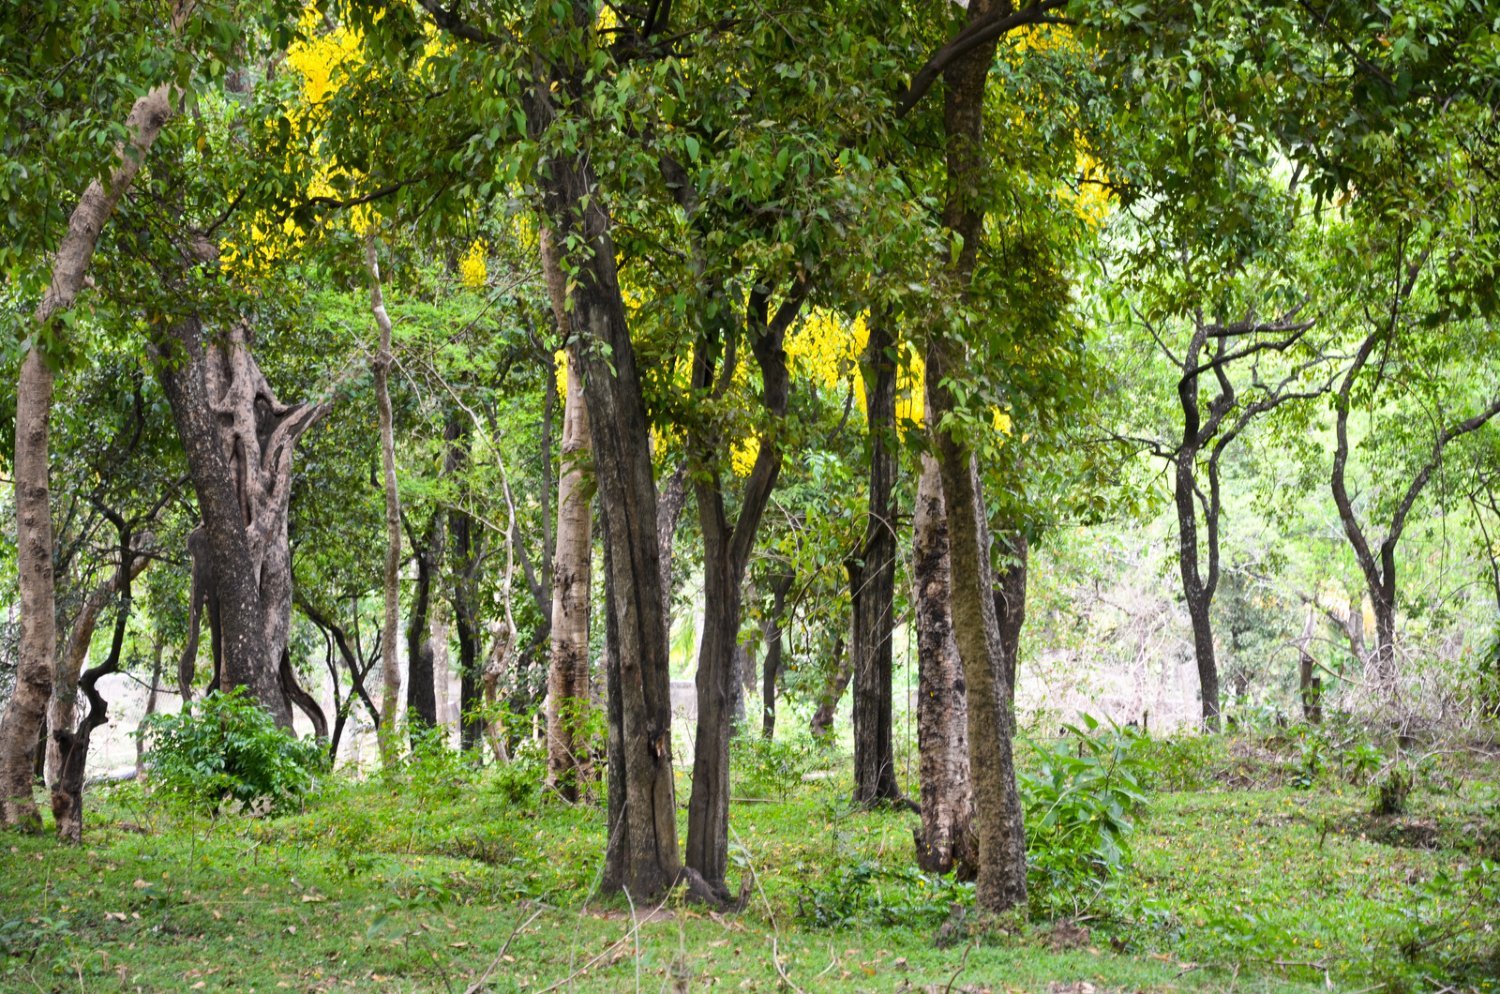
x,y
641,855
568,672
390,666
872,581
239,439
945,840
26,711
1001,880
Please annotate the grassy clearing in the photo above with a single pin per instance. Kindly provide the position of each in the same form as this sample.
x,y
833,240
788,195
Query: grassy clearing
x,y
458,882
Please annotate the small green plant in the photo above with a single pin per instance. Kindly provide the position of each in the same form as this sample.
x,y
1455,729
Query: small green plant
x,y
1312,749
869,893
1081,798
1361,762
224,752
433,767
770,767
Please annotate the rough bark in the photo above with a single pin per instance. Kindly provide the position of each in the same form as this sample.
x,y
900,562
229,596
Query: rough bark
x,y
239,439
872,581
1000,883
390,667
945,840
1010,599
26,711
641,855
568,674
1309,686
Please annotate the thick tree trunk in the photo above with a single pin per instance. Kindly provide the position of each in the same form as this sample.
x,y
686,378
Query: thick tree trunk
x,y
945,840
568,674
774,635
641,855
239,441
37,650
872,582
390,667
1001,880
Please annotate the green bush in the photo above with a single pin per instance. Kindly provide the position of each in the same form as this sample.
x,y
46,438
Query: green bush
x,y
1081,796
225,752
869,893
770,767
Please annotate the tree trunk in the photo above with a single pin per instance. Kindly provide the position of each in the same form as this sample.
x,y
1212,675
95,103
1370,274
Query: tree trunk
x,y
390,667
73,743
421,693
945,840
568,674
37,649
641,855
1001,880
1010,600
62,710
821,725
239,441
774,637
726,557
158,650
1199,598
872,582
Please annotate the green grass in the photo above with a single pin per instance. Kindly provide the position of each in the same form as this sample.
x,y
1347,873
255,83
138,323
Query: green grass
x,y
417,887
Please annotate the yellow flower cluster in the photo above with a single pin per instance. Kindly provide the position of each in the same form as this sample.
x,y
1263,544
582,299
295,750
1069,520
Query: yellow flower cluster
x,y
742,455
473,272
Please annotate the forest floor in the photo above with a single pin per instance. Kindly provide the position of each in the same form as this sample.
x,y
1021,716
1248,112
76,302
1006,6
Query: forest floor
x,y
1256,868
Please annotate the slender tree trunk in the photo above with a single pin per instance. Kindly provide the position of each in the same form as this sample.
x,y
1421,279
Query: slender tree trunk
x,y
37,650
62,709
726,557
1001,880
775,640
421,677
568,673
842,671
390,668
1010,600
872,582
945,840
158,649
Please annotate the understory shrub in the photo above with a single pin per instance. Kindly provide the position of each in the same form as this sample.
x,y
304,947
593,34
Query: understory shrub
x,y
870,893
224,752
1082,794
770,767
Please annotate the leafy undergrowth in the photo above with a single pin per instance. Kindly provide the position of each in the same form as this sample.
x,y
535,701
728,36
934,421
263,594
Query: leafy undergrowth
x,y
452,881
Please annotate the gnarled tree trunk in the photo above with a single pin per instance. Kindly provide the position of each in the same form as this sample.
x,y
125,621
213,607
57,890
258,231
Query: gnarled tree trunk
x,y
239,440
